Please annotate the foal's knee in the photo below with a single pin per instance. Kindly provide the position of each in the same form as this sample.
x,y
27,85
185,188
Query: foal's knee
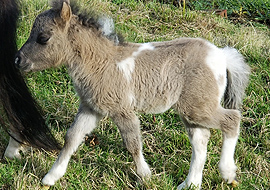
x,y
230,123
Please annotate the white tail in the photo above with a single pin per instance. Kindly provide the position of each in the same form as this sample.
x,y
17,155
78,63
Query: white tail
x,y
237,78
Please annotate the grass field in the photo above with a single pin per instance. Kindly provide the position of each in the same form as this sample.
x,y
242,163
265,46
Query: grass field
x,y
107,164
255,10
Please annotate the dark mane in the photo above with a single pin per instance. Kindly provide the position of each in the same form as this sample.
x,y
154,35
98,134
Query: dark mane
x,y
90,18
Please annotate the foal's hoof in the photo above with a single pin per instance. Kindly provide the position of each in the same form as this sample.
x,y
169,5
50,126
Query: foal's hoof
x,y
45,187
144,171
182,186
186,185
234,183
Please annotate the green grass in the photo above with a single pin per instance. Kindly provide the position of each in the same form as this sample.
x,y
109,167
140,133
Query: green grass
x,y
258,10
238,10
107,165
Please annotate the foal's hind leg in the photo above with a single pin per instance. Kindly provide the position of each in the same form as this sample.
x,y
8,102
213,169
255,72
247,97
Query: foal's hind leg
x,y
129,127
230,129
85,122
227,120
199,137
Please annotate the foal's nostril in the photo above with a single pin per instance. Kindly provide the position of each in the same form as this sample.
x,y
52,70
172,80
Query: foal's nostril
x,y
17,61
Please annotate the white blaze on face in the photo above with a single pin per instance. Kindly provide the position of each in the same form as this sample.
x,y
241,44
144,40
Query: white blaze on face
x,y
127,65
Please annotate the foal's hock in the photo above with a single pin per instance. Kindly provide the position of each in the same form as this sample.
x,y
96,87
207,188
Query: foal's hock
x,y
119,79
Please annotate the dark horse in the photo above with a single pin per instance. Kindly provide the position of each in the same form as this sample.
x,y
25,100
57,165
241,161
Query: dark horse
x,y
27,125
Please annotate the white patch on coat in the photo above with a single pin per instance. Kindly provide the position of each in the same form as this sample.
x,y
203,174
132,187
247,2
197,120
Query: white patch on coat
x,y
146,46
132,99
217,62
127,65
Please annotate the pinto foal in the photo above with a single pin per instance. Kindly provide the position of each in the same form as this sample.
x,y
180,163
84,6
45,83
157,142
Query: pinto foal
x,y
120,79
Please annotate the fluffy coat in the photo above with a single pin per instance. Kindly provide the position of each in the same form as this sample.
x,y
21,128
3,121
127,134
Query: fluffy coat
x,y
122,79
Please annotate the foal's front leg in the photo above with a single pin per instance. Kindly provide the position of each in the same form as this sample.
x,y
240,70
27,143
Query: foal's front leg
x,y
85,122
129,127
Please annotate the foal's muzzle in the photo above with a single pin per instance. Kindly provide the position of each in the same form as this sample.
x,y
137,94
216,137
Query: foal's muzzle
x,y
20,61
17,61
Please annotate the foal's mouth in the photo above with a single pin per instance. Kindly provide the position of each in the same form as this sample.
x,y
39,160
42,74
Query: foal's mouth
x,y
26,67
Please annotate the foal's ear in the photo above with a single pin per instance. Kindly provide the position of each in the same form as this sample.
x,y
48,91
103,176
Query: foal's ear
x,y
65,13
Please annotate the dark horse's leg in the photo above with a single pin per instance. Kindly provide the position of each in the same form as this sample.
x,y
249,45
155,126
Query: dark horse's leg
x,y
26,122
13,149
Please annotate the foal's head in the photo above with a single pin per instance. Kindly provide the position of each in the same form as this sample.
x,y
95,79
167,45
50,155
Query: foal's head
x,y
47,44
54,39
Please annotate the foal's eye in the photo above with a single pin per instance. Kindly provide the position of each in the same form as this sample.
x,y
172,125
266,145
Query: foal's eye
x,y
42,38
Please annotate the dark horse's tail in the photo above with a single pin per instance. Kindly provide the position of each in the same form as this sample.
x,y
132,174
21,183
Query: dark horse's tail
x,y
26,122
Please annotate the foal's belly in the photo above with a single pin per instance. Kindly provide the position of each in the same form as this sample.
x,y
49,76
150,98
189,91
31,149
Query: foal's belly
x,y
157,103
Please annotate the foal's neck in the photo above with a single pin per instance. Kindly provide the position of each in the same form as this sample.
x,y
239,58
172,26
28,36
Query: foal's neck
x,y
89,46
91,51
